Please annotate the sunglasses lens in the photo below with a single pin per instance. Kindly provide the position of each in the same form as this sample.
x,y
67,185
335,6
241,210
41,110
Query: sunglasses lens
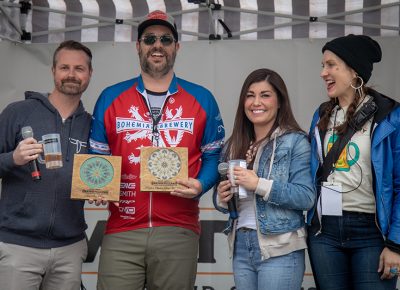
x,y
166,39
150,39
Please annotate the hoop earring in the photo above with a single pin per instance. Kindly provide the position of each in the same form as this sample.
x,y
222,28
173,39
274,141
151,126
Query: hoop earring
x,y
359,88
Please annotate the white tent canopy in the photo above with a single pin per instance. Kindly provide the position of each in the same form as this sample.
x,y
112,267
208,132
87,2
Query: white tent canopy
x,y
52,21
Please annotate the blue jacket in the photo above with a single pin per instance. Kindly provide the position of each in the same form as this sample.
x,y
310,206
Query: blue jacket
x,y
292,189
385,158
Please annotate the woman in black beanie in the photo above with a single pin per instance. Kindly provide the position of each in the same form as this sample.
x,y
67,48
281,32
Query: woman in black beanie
x,y
354,228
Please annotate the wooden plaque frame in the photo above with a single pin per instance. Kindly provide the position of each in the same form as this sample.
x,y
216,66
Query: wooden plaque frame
x,y
96,176
160,167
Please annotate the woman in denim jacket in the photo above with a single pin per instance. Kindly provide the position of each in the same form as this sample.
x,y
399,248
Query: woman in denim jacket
x,y
268,238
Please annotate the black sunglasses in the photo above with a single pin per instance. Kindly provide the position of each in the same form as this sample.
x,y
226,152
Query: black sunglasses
x,y
165,40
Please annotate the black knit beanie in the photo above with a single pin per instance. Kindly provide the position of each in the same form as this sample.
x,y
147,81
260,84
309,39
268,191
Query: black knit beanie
x,y
359,52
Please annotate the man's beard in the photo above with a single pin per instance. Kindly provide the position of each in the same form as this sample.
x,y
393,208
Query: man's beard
x,y
71,87
157,70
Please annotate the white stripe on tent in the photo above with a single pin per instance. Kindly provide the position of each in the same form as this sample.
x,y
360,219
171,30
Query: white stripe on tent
x,y
318,9
123,11
90,7
156,5
57,20
283,6
190,21
390,17
357,17
246,20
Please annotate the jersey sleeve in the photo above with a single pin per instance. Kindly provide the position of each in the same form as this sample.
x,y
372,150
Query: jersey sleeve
x,y
212,142
98,136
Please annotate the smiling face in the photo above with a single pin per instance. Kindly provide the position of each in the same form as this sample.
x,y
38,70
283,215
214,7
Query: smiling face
x,y
338,77
261,107
71,72
157,59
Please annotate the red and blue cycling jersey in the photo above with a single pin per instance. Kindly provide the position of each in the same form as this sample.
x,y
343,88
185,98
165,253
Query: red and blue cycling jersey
x,y
122,124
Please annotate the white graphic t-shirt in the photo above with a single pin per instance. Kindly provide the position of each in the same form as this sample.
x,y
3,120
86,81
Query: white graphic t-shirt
x,y
353,167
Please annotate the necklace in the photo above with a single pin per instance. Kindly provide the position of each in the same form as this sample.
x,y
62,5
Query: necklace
x,y
251,152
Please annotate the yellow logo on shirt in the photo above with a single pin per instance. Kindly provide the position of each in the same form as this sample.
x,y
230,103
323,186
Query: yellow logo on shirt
x,y
345,160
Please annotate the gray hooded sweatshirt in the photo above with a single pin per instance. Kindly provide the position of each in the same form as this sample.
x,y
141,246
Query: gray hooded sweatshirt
x,y
40,214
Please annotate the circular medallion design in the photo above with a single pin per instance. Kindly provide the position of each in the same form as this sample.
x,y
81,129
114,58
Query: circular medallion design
x,y
96,172
164,163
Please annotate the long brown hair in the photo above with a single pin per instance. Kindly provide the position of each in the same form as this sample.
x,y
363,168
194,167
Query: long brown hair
x,y
243,129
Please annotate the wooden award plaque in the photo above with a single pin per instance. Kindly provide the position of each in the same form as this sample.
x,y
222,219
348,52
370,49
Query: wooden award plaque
x,y
96,176
160,167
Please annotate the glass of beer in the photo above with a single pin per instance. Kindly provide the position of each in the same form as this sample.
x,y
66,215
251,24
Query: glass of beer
x,y
240,190
52,151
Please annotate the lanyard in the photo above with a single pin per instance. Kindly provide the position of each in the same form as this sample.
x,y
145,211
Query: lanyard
x,y
156,117
155,138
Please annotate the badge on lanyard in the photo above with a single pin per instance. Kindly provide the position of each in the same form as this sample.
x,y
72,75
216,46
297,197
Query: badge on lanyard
x,y
330,199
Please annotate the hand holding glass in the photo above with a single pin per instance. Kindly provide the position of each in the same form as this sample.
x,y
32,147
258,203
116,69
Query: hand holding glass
x,y
237,188
52,151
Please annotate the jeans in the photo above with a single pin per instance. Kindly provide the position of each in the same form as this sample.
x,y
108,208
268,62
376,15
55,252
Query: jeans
x,y
276,273
345,256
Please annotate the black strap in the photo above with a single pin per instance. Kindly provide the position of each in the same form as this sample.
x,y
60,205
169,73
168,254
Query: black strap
x,y
156,117
82,286
155,132
365,113
333,154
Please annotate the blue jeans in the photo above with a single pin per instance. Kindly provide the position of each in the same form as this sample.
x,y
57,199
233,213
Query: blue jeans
x,y
276,273
345,256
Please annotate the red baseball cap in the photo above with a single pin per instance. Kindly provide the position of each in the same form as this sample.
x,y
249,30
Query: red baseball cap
x,y
158,17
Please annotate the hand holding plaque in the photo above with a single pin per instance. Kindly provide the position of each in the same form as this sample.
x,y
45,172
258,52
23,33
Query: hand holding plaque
x,y
160,167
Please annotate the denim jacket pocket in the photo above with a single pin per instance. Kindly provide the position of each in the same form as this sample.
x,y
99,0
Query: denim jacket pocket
x,y
280,166
280,220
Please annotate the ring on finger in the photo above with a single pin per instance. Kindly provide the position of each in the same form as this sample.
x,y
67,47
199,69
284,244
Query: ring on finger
x,y
394,271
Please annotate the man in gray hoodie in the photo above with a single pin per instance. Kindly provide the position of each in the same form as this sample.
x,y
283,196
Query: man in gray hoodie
x,y
42,231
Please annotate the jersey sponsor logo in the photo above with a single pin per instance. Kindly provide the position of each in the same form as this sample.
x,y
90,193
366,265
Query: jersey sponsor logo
x,y
129,201
127,185
127,176
172,126
127,210
127,193
125,124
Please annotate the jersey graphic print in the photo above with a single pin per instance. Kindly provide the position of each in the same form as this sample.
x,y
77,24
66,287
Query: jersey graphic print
x,y
171,128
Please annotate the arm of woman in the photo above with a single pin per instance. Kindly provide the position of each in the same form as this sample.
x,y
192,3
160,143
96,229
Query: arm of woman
x,y
394,228
298,193
390,256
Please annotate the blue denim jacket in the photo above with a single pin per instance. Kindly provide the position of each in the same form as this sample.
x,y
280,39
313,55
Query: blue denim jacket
x,y
292,191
